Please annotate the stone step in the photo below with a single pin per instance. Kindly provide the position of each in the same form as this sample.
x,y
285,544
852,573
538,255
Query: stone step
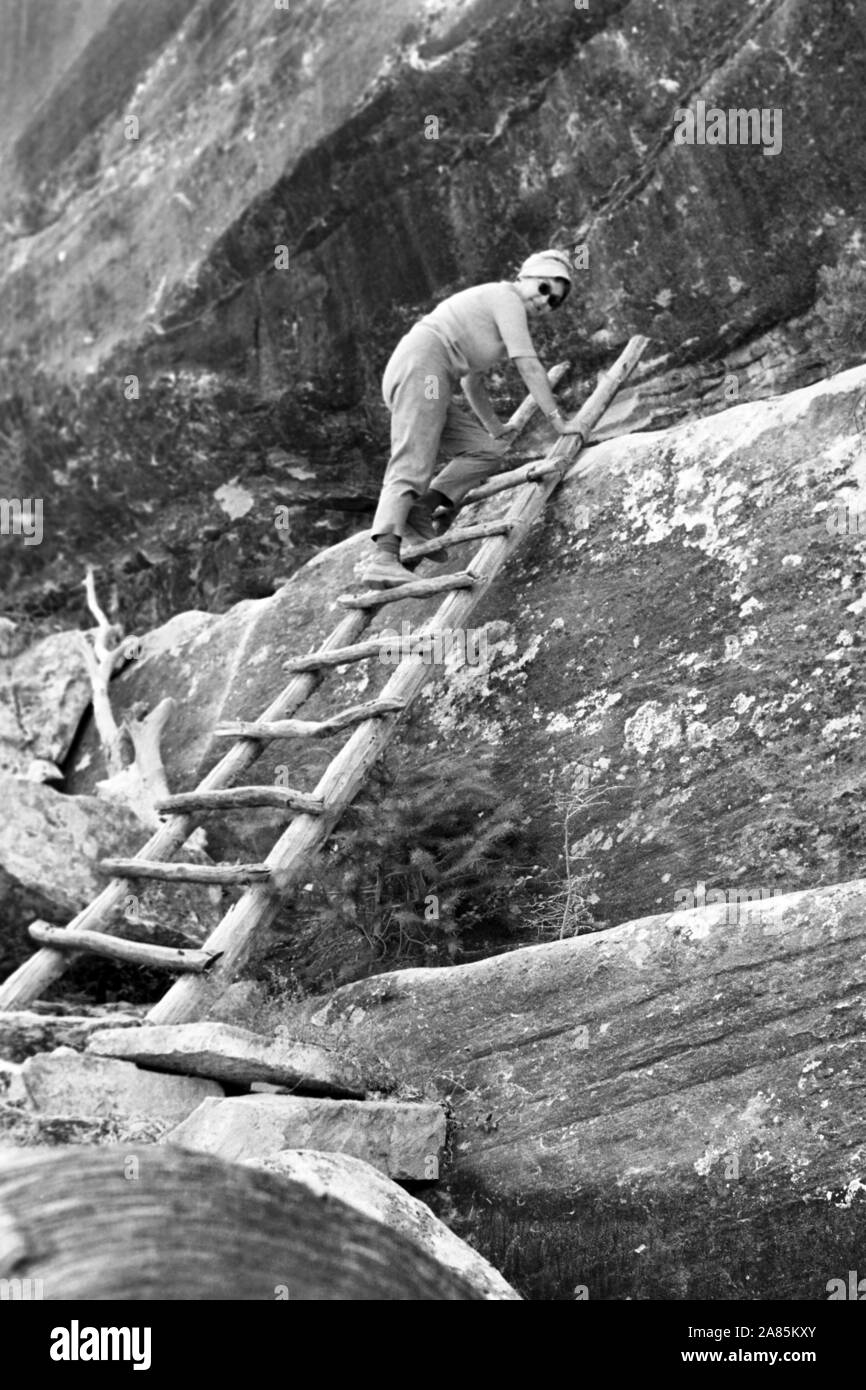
x,y
404,1141
225,1052
65,1082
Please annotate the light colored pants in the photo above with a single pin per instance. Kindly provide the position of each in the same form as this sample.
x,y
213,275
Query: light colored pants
x,y
417,388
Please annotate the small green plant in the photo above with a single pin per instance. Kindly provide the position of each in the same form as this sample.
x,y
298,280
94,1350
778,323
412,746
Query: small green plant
x,y
841,307
423,861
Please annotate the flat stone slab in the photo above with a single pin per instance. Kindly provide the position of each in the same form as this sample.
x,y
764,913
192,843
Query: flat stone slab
x,y
225,1052
23,1033
65,1082
351,1180
402,1141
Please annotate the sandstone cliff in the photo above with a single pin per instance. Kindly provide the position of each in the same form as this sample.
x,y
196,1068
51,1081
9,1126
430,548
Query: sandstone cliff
x,y
216,218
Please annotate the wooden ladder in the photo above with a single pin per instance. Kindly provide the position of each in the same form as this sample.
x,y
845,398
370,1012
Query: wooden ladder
x,y
204,973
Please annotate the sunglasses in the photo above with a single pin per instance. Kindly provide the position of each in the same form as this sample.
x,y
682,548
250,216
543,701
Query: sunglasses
x,y
554,299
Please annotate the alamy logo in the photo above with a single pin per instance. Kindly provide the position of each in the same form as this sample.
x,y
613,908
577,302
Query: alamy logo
x,y
844,520
75,1343
469,645
748,900
21,517
856,1288
21,1290
737,126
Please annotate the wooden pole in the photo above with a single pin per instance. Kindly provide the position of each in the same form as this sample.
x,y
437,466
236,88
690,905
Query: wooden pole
x,y
456,536
179,960
305,728
173,871
241,798
416,588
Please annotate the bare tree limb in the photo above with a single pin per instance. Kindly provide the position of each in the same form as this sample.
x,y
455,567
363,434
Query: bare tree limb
x,y
145,734
143,782
110,736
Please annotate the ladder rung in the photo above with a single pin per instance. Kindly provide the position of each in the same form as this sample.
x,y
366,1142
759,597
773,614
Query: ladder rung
x,y
361,651
229,798
174,872
457,535
334,656
179,961
531,472
302,728
418,588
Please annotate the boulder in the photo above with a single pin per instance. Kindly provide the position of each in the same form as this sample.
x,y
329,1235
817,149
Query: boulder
x,y
403,1141
236,1055
44,695
65,1082
192,1227
50,848
635,718
351,1180
693,1079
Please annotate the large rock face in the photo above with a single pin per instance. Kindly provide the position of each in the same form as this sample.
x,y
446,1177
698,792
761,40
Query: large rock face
x,y
268,126
227,98
394,157
674,661
656,1111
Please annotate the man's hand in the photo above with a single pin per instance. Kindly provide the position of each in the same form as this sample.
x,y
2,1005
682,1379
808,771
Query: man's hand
x,y
563,426
508,432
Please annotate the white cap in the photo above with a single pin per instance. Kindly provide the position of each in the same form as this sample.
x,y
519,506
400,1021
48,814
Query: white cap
x,y
553,264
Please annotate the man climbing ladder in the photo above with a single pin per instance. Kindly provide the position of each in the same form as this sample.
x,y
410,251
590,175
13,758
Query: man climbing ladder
x,y
458,342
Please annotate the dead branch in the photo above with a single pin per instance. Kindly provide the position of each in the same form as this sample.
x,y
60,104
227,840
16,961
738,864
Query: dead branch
x,y
145,734
141,783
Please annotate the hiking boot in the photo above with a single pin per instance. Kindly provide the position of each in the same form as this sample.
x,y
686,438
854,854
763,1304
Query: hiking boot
x,y
384,570
421,527
413,537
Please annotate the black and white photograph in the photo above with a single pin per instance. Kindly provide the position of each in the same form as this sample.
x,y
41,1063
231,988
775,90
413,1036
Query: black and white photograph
x,y
432,619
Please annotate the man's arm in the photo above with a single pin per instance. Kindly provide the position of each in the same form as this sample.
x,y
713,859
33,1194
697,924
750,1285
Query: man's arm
x,y
476,394
535,379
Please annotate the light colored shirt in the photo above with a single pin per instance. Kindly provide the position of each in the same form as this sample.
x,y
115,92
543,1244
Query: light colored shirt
x,y
482,326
